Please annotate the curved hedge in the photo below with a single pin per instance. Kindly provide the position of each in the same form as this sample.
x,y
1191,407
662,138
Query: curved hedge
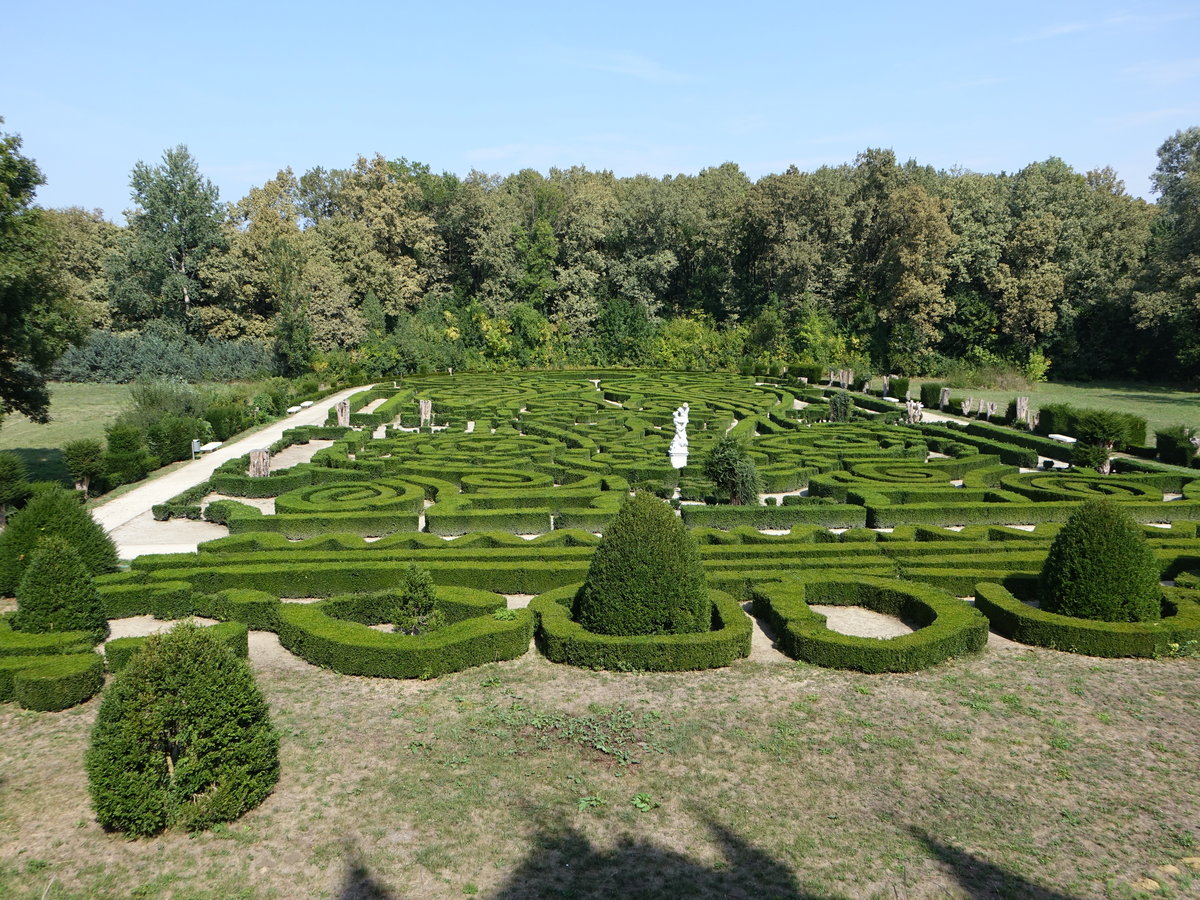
x,y
1027,624
51,683
947,627
312,632
562,639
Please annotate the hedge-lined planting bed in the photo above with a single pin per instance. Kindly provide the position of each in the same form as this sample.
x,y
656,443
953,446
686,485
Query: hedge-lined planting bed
x,y
561,639
1027,624
945,626
313,633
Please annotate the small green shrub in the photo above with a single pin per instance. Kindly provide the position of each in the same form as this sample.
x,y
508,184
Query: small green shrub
x,y
1100,567
1175,445
182,739
56,593
731,469
56,512
127,458
645,576
84,459
414,611
841,407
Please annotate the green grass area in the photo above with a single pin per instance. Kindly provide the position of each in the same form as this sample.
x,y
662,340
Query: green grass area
x,y
76,411
1015,773
1160,406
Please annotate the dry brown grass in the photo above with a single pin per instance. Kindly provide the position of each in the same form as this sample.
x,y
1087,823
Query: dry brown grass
x,y
1016,773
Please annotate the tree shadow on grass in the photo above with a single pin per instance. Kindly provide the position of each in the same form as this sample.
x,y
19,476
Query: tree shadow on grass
x,y
358,883
564,864
981,879
44,464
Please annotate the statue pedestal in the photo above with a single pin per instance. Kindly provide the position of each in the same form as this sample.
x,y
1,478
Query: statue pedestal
x,y
678,458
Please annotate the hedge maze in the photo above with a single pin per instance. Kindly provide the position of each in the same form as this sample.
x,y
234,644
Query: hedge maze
x,y
509,492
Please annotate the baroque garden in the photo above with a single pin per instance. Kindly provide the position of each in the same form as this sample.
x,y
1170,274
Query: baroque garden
x,y
492,497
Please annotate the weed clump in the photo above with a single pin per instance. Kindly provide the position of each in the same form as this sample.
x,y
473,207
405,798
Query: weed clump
x,y
645,576
1100,567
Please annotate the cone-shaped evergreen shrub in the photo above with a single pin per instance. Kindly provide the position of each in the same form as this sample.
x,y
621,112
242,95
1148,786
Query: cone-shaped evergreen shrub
x,y
182,738
1100,567
53,511
645,576
56,593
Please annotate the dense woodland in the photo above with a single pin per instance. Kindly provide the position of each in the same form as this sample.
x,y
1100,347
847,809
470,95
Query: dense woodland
x,y
387,267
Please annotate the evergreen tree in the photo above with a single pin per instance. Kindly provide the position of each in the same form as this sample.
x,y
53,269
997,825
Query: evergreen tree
x,y
1100,567
56,593
53,512
645,576
183,738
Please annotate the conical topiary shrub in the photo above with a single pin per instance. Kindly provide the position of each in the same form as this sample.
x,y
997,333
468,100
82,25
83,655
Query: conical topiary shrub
x,y
182,739
56,593
645,576
53,511
1100,567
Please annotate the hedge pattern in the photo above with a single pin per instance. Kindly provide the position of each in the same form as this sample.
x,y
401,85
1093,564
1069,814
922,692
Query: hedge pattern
x,y
946,627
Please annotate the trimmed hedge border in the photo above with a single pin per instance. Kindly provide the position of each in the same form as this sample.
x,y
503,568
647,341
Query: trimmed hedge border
x,y
948,626
312,633
1026,624
51,683
561,639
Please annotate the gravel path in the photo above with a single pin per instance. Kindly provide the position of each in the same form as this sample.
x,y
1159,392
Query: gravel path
x,y
130,509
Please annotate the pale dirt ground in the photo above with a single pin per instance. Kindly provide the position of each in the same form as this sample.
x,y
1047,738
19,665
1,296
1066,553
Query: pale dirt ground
x,y
144,626
373,405
860,622
297,453
121,510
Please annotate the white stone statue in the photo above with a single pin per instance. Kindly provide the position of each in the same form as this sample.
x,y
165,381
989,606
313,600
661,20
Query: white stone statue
x,y
679,444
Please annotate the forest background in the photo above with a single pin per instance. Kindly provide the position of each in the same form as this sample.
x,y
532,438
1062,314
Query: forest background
x,y
385,267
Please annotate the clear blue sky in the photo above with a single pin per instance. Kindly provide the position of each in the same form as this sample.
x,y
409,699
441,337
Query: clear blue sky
x,y
660,88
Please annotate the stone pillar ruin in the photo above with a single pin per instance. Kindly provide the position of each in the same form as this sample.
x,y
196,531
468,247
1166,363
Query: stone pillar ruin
x,y
944,399
426,410
343,413
260,463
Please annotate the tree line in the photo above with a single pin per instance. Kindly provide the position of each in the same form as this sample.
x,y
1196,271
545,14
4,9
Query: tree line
x,y
874,264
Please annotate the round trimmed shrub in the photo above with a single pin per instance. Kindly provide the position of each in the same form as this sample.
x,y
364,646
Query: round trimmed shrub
x,y
182,739
53,511
1100,567
645,576
56,593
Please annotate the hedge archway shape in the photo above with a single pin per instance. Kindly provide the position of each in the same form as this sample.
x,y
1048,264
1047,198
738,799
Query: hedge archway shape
x,y
332,634
1025,624
947,627
563,640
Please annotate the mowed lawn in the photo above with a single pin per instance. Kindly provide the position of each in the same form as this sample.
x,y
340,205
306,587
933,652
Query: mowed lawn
x,y
1161,407
76,411
1015,773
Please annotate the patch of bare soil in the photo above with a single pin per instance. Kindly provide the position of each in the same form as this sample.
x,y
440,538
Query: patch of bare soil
x,y
143,534
266,504
860,622
143,626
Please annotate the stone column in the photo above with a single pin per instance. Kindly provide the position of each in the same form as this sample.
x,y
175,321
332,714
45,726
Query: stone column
x,y
260,463
343,413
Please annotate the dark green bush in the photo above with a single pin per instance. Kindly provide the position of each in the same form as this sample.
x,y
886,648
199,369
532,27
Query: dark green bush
x,y
56,593
931,393
841,407
1100,567
170,438
14,483
898,387
53,512
1090,456
84,459
645,576
127,458
182,739
1175,445
729,466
